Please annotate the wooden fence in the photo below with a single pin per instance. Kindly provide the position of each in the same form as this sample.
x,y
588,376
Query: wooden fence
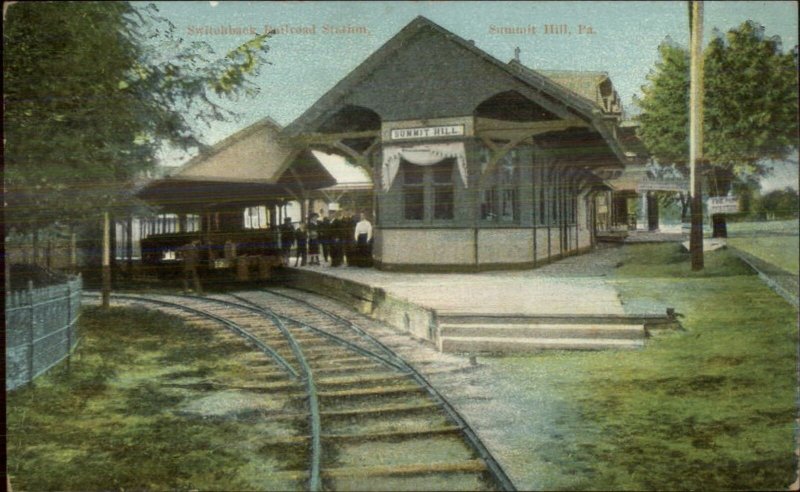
x,y
41,329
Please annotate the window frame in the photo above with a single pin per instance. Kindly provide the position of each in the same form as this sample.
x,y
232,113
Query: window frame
x,y
496,187
427,188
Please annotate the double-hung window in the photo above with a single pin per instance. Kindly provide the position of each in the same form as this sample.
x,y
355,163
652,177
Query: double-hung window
x,y
442,182
413,192
499,202
428,191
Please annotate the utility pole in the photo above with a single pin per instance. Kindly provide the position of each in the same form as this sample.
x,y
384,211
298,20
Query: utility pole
x,y
696,131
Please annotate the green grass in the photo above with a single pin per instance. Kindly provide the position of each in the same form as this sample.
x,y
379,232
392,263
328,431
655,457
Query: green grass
x,y
776,242
781,251
712,407
791,226
120,416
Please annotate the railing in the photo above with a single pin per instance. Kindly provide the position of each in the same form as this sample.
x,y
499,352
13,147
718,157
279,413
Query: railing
x,y
41,329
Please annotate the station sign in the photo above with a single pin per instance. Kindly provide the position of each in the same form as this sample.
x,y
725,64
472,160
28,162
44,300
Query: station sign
x,y
427,132
723,205
663,185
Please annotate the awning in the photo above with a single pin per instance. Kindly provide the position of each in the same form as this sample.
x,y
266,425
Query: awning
x,y
421,155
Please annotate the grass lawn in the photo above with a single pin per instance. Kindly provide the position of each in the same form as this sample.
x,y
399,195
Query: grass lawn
x,y
776,242
781,251
712,407
148,402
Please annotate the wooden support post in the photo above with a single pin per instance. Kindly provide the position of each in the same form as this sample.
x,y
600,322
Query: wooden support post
x,y
73,251
129,245
106,261
35,247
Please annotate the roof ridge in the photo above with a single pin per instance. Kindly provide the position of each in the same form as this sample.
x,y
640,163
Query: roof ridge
x,y
568,70
228,141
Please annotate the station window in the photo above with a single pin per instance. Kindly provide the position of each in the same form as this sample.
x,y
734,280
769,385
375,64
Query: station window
x,y
443,191
192,223
428,191
488,203
256,218
499,201
413,192
508,188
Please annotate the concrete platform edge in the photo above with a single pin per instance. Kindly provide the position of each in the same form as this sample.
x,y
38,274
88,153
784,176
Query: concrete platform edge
x,y
418,321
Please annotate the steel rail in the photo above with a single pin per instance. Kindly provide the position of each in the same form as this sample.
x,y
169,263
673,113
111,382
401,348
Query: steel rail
x,y
392,361
315,483
340,319
230,324
472,437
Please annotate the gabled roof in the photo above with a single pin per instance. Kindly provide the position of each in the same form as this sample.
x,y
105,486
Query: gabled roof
x,y
584,83
246,168
256,153
576,103
347,176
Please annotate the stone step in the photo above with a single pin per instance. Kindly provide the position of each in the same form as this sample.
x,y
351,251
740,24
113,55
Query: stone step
x,y
556,319
536,330
522,345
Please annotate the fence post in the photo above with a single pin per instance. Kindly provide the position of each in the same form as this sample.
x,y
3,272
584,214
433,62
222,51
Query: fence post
x,y
31,326
69,322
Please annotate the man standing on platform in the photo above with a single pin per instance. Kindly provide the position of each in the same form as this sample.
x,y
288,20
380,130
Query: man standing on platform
x,y
334,235
287,239
301,238
363,237
325,240
191,257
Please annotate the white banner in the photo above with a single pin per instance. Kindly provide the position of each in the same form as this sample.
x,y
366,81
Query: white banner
x,y
421,155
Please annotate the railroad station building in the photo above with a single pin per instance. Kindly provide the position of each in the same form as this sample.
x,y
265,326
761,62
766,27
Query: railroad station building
x,y
469,163
477,164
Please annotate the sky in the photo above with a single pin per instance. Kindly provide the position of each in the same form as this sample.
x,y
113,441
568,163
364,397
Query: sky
x,y
620,38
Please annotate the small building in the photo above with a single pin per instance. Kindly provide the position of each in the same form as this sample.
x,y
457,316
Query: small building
x,y
232,197
477,164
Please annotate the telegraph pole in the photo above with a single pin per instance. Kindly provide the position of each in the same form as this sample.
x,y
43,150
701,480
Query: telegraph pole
x,y
696,131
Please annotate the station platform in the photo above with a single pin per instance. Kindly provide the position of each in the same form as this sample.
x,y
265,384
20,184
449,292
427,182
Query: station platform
x,y
566,305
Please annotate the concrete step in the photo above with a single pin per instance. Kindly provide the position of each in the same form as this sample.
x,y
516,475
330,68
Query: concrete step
x,y
541,330
507,345
555,319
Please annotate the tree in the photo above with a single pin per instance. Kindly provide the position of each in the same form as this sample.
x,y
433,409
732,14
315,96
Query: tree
x,y
779,204
750,108
92,91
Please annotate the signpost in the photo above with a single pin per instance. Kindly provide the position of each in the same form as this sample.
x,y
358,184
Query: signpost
x,y
722,205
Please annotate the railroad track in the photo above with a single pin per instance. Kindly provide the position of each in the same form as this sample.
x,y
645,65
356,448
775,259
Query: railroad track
x,y
361,416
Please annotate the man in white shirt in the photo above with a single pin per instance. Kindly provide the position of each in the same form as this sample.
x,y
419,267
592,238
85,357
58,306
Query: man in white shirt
x,y
363,236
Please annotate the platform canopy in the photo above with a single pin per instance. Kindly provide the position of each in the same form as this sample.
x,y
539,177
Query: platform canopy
x,y
254,166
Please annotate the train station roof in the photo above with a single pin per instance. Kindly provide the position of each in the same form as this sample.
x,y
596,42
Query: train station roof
x,y
395,84
255,165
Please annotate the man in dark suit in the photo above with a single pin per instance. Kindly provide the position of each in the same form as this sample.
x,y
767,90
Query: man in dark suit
x,y
287,239
325,238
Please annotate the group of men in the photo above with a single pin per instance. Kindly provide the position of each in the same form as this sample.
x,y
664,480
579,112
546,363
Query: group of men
x,y
339,239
